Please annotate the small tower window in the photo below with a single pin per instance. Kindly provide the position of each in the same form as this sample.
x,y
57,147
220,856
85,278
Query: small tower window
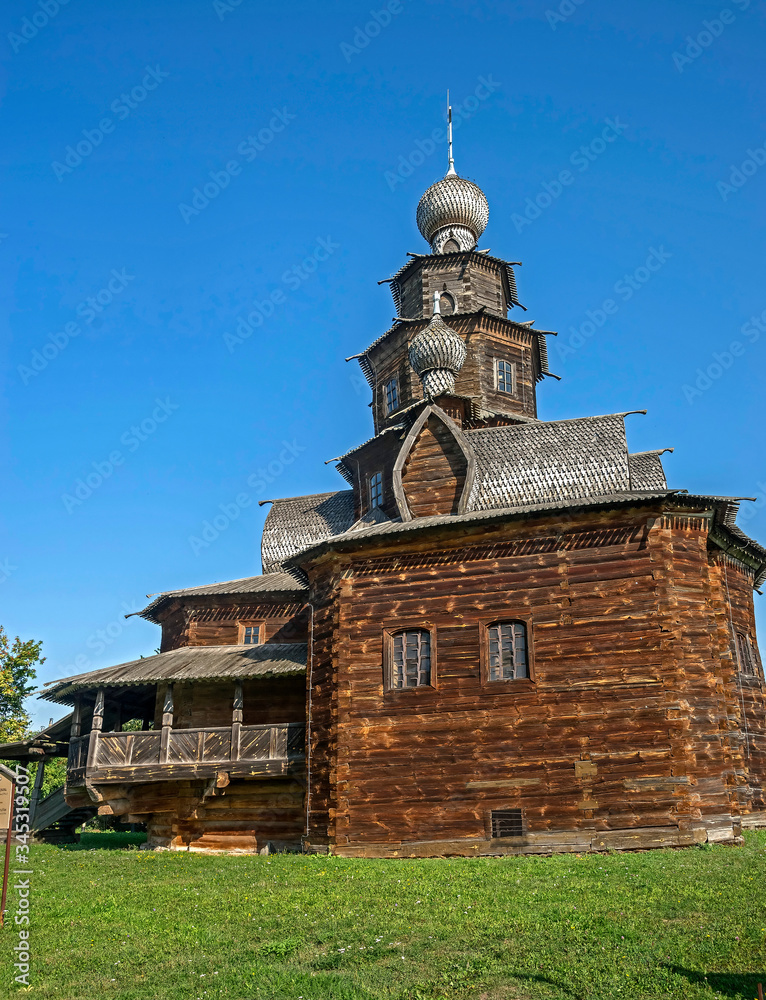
x,y
507,651
451,246
410,658
251,635
505,373
376,490
746,655
392,396
446,304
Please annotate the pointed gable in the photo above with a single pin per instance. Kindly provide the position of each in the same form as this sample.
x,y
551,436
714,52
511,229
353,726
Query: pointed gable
x,y
434,469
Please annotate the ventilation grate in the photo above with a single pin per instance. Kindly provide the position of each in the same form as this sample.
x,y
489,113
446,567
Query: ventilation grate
x,y
507,823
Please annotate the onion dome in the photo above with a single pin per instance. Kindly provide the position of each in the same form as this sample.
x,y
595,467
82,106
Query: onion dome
x,y
452,214
437,354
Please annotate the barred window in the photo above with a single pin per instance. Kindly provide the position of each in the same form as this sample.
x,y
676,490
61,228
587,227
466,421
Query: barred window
x,y
507,648
251,635
392,396
507,823
748,662
411,660
376,490
506,377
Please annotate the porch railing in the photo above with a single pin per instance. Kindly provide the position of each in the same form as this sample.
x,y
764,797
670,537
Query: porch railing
x,y
220,746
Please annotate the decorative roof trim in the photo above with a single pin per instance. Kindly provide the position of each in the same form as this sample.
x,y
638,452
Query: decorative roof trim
x,y
407,446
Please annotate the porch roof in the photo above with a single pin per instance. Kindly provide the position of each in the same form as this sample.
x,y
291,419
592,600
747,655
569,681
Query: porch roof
x,y
190,663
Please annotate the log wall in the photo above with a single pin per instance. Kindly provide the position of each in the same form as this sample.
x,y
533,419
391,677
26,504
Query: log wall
x,y
216,620
629,733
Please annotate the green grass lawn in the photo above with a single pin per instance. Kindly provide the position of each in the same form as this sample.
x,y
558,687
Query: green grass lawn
x,y
110,921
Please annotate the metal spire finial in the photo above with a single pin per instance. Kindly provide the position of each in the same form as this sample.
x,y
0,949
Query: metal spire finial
x,y
451,172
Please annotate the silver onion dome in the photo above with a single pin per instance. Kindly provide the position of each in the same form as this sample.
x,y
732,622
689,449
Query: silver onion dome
x,y
437,354
453,209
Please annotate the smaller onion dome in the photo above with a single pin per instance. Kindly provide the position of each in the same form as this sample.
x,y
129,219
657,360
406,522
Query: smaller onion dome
x,y
437,354
452,214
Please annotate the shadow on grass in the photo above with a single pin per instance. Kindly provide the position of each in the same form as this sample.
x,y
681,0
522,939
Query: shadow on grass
x,y
105,842
738,985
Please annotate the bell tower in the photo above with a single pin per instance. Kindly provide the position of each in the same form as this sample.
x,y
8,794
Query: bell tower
x,y
466,291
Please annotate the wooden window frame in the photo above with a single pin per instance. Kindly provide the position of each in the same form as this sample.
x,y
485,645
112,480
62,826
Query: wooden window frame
x,y
370,480
393,382
514,377
389,631
748,661
484,624
241,633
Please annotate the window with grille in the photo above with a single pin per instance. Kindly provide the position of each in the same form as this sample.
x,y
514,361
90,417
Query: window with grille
x,y
251,635
411,658
507,651
507,823
392,396
506,377
747,656
376,490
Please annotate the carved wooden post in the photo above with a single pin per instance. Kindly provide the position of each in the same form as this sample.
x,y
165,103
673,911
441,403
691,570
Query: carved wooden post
x,y
167,724
36,791
95,733
236,721
74,734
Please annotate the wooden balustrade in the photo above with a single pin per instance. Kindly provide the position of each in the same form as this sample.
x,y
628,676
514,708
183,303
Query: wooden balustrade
x,y
165,754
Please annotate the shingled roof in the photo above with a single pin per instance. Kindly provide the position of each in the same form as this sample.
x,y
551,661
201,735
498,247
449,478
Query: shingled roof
x,y
552,460
190,663
297,522
646,471
270,583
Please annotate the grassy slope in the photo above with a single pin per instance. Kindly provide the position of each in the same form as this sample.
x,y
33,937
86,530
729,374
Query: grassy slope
x,y
133,925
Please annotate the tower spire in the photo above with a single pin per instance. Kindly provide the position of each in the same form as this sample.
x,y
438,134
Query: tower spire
x,y
451,172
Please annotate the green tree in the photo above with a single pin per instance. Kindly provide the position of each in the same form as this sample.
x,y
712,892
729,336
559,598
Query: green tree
x,y
18,660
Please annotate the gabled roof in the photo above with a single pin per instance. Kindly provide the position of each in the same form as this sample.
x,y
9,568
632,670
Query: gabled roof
x,y
190,663
548,461
646,471
271,583
297,522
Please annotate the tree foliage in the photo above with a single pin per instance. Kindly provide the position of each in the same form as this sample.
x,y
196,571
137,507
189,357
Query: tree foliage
x,y
18,660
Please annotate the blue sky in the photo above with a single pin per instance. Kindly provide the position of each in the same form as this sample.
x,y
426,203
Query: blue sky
x,y
169,167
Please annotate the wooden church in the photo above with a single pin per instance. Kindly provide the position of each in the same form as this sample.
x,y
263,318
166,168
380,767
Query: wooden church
x,y
503,635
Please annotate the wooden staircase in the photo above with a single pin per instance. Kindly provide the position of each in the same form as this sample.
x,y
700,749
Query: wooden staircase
x,y
55,821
